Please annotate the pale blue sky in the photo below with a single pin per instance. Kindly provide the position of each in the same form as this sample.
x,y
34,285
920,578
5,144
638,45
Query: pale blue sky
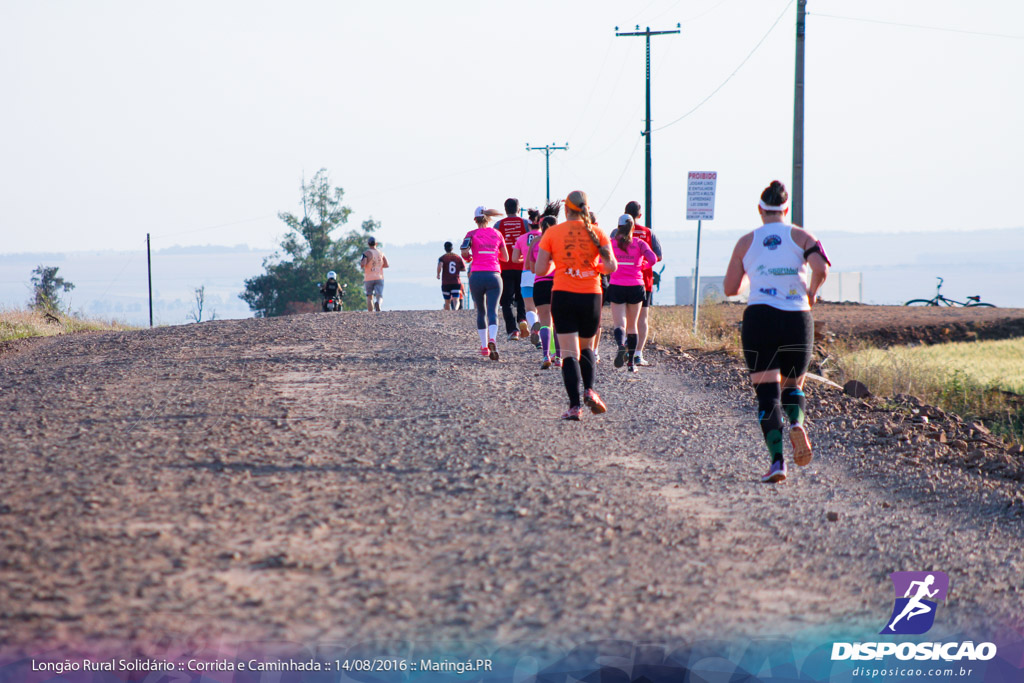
x,y
195,120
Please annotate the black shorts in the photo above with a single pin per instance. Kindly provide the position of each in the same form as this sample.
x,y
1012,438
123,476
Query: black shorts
x,y
777,340
573,312
625,294
542,292
452,290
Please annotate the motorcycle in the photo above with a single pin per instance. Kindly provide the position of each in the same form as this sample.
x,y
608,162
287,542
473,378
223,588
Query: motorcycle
x,y
330,303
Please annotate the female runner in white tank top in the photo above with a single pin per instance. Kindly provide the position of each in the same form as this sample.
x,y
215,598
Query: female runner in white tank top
x,y
785,266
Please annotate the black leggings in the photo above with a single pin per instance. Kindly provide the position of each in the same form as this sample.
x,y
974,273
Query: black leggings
x,y
512,292
777,340
574,312
485,287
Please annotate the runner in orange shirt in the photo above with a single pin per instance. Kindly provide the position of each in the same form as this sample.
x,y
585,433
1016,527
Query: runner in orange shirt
x,y
578,252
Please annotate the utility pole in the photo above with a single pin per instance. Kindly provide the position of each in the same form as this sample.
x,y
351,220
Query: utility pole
x,y
547,149
149,277
647,131
797,196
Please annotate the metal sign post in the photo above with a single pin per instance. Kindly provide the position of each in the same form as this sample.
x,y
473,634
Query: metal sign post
x,y
700,206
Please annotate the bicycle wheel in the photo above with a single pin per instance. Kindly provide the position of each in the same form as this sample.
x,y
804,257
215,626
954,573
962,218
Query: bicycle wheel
x,y
921,302
979,304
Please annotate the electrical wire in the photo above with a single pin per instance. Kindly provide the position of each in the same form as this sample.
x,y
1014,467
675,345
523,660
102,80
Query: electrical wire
x,y
623,174
735,71
597,81
921,26
453,174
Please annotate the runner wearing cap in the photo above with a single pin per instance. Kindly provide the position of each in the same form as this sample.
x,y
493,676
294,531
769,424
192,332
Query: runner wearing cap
x,y
786,267
448,268
511,228
485,248
577,252
626,288
647,235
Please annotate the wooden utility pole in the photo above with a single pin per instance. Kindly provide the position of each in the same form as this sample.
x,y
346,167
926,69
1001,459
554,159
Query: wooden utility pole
x,y
797,195
647,33
149,277
547,149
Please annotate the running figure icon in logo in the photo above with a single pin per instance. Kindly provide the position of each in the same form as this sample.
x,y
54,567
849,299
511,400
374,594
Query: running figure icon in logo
x,y
914,612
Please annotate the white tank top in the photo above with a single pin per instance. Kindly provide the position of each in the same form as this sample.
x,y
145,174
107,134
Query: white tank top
x,y
778,272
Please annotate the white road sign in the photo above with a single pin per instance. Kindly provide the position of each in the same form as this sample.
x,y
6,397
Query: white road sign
x,y
700,195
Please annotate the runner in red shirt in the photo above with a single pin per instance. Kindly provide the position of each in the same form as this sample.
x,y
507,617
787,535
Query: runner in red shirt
x,y
511,227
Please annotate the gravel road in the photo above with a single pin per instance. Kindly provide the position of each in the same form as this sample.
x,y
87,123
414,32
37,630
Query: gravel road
x,y
329,476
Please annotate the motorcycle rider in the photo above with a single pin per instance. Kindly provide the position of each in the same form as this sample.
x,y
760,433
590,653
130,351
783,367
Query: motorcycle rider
x,y
331,289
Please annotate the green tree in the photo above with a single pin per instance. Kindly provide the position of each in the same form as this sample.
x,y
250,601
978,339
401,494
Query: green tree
x,y
308,251
46,289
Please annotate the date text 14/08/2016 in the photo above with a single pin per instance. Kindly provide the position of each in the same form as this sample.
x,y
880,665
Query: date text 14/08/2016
x,y
458,666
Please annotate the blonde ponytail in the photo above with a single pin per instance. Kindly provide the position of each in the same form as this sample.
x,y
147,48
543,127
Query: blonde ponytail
x,y
577,203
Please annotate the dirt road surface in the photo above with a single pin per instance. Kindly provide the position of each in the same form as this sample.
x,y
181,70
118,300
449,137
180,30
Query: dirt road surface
x,y
329,476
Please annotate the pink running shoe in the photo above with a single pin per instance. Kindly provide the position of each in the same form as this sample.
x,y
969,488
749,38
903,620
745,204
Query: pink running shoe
x,y
775,473
594,402
574,413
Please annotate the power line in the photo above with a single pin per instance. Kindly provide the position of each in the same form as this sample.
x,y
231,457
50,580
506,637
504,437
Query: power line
x,y
735,71
921,26
597,81
621,175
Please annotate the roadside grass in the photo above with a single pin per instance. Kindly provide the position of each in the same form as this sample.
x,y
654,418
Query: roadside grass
x,y
673,326
22,324
983,380
976,380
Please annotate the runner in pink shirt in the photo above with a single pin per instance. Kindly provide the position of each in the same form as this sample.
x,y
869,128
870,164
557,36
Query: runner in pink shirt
x,y
542,291
522,246
485,248
626,288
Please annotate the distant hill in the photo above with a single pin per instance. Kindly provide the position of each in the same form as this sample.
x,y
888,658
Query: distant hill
x,y
896,267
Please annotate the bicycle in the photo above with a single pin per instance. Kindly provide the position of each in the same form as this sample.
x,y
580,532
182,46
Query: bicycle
x,y
940,300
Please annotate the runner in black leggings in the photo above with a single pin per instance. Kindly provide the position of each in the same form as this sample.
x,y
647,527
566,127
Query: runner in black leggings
x,y
786,266
485,248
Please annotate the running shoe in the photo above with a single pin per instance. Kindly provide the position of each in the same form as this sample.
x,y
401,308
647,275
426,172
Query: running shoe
x,y
513,336
524,329
484,351
492,350
801,445
620,357
775,473
641,361
545,364
535,334
631,368
556,361
574,413
594,402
